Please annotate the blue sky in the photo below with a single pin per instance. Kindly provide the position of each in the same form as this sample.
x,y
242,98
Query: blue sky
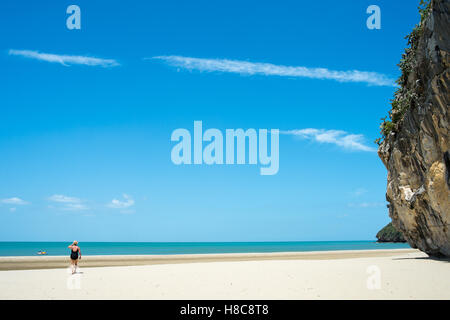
x,y
85,143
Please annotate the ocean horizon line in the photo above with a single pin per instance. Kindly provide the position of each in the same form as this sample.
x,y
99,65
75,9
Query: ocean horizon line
x,y
263,241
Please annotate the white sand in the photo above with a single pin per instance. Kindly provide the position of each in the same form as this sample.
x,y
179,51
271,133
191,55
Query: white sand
x,y
407,275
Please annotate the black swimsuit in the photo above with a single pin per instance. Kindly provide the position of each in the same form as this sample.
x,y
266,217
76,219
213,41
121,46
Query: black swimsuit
x,y
74,255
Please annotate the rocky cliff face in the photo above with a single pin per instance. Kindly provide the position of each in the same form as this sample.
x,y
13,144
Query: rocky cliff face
x,y
416,146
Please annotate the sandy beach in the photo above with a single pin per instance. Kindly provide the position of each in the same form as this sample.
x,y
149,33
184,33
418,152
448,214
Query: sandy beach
x,y
365,274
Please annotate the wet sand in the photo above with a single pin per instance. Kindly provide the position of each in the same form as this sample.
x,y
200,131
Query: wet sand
x,y
55,262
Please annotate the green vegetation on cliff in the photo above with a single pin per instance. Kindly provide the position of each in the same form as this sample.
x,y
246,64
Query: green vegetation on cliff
x,y
390,234
404,97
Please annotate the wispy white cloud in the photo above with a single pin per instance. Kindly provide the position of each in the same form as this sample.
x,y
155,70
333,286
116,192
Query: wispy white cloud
x,y
68,203
359,192
127,211
118,204
74,207
65,60
366,204
14,201
268,69
12,209
340,138
64,199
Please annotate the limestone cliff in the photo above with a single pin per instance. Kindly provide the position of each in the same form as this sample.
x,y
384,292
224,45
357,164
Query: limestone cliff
x,y
415,145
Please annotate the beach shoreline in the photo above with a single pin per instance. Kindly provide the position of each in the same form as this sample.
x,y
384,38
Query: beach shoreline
x,y
371,274
56,262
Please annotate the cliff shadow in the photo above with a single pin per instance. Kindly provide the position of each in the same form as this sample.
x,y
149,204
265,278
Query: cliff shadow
x,y
441,259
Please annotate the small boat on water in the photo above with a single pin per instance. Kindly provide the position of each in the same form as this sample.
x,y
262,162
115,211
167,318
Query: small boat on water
x,y
42,252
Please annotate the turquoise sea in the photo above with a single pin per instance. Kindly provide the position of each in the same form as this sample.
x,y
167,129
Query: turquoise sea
x,y
142,248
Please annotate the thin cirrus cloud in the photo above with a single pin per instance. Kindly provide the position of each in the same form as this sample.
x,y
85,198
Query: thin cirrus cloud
x,y
75,207
342,139
65,60
118,204
366,205
68,203
268,69
64,199
14,201
358,192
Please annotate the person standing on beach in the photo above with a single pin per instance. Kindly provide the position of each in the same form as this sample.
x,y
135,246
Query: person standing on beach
x,y
75,254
